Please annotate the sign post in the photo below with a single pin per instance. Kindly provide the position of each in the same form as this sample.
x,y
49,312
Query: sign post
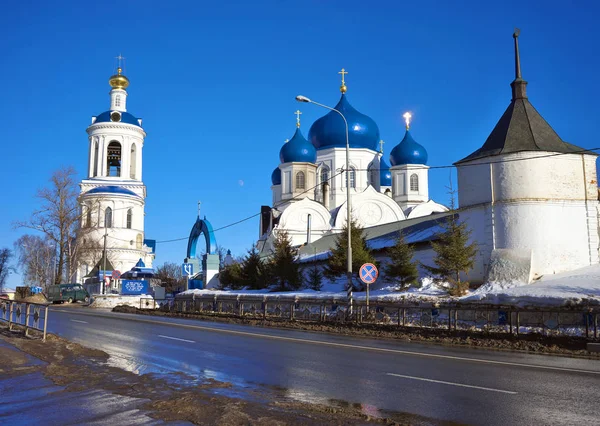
x,y
368,274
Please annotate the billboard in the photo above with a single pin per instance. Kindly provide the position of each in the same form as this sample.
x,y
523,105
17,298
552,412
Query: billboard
x,y
134,287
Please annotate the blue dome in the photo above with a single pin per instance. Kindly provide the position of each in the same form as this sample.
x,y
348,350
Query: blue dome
x,y
111,189
125,118
298,150
329,131
276,176
408,152
385,176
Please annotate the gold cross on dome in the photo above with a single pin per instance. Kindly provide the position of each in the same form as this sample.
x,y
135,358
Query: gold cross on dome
x,y
343,72
119,59
298,114
381,142
407,116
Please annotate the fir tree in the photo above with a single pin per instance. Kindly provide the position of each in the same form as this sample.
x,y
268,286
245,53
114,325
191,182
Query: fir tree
x,y
315,278
254,273
401,268
453,253
283,267
231,276
337,262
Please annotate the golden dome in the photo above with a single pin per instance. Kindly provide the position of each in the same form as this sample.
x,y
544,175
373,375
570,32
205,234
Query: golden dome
x,y
119,81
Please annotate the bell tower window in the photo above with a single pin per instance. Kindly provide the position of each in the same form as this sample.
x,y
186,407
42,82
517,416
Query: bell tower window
x,y
117,101
324,174
129,217
96,159
352,174
113,164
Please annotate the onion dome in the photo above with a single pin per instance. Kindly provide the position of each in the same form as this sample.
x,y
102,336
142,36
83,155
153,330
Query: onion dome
x,y
329,131
276,176
118,81
298,150
385,175
408,152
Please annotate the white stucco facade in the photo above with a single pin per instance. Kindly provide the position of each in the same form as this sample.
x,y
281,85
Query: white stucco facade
x,y
534,204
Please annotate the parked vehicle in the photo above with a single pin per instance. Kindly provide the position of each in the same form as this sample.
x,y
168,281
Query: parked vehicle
x,y
69,293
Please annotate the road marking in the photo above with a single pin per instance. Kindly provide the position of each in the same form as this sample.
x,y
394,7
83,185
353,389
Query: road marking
x,y
176,338
340,345
452,384
83,322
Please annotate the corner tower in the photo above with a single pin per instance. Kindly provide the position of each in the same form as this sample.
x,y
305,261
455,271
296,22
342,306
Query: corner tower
x,y
113,195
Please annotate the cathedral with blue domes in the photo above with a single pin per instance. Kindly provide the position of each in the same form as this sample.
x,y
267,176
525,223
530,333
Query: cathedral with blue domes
x,y
309,185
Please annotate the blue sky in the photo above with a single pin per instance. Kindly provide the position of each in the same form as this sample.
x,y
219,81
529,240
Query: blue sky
x,y
215,84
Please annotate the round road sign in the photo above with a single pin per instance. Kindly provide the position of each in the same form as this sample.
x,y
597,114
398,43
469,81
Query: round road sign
x,y
116,274
368,273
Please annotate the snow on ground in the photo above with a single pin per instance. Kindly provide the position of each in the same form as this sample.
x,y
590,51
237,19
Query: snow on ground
x,y
568,288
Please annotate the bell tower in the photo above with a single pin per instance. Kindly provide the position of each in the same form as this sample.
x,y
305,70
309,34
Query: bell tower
x,y
113,195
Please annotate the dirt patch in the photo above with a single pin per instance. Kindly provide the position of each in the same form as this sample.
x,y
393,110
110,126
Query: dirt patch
x,y
536,343
36,298
78,368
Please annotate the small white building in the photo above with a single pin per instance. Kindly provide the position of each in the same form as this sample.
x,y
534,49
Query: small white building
x,y
113,195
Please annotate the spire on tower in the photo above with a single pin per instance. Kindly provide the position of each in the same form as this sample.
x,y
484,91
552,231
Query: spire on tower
x,y
518,85
119,81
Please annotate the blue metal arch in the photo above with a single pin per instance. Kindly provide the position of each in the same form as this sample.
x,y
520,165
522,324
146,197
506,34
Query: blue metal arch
x,y
202,226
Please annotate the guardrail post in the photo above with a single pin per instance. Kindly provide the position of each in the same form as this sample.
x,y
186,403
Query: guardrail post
x,y
27,311
518,322
403,317
45,321
449,318
10,315
595,325
265,309
510,324
587,325
455,319
292,307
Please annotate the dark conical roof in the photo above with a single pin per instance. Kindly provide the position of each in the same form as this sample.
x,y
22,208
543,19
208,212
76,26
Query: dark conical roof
x,y
521,127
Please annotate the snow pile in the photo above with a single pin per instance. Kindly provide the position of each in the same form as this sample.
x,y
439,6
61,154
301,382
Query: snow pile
x,y
581,286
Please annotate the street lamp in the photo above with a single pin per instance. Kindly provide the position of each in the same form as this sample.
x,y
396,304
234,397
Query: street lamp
x,y
301,98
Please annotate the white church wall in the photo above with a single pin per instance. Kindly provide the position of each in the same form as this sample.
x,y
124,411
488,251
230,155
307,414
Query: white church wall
x,y
370,208
294,220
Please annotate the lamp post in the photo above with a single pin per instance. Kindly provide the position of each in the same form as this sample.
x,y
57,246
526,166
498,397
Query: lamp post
x,y
301,98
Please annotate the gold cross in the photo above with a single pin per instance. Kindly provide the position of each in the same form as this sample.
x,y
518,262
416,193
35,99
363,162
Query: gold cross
x,y
298,114
381,142
407,116
119,62
343,72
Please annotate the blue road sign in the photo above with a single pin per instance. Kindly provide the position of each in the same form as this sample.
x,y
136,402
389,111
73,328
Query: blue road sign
x,y
368,273
187,269
134,287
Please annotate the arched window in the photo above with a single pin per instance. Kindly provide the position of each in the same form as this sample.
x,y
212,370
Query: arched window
x,y
129,218
108,218
138,241
352,174
132,162
414,182
324,174
113,163
88,218
300,180
96,159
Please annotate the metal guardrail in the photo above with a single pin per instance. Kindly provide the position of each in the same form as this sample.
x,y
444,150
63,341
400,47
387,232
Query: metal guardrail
x,y
577,321
28,315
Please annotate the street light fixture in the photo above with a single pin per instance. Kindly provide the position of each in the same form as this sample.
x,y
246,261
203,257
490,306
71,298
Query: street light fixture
x,y
301,98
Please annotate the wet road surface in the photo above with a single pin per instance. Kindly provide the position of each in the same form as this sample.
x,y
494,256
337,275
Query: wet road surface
x,y
447,383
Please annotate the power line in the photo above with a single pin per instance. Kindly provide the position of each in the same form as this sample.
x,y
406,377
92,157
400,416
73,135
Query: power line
x,y
416,167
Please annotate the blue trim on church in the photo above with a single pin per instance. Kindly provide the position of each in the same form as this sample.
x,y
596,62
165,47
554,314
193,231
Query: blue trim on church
x,y
111,189
126,118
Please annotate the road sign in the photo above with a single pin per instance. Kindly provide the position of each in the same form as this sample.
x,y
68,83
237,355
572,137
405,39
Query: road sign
x,y
187,269
368,273
116,274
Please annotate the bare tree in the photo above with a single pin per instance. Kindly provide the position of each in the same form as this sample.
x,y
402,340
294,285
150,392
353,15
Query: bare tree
x,y
5,268
36,257
169,274
58,217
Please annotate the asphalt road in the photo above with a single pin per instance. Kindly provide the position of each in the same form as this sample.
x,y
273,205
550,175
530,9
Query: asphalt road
x,y
455,384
